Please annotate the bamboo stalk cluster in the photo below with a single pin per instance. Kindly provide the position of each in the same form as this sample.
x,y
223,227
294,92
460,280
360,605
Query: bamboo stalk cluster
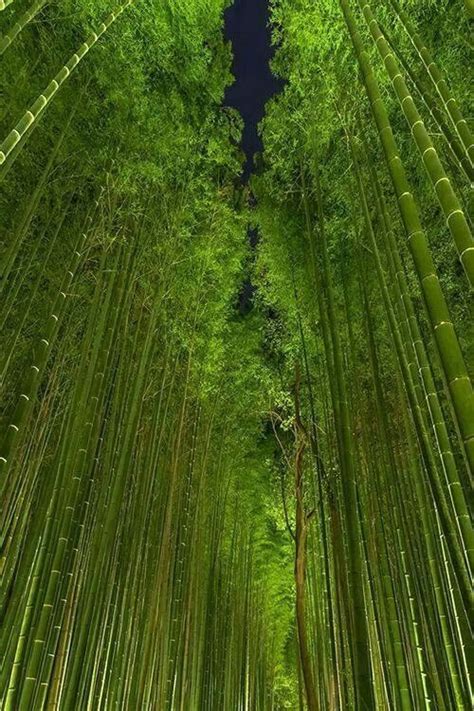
x,y
204,509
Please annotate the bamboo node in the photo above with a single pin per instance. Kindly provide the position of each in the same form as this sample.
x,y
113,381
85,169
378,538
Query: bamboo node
x,y
440,180
403,194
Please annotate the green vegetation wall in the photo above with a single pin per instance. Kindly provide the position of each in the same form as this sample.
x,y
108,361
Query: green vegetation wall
x,y
204,509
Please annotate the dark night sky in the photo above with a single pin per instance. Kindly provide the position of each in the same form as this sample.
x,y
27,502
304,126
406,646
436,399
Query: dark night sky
x,y
246,26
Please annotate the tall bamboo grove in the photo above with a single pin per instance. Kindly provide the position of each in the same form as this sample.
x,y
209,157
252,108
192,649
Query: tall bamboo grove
x,y
210,500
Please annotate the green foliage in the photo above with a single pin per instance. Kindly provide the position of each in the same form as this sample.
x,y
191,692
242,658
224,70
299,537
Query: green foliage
x,y
158,447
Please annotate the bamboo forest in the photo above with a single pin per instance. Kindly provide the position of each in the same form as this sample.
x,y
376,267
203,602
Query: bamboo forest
x,y
236,350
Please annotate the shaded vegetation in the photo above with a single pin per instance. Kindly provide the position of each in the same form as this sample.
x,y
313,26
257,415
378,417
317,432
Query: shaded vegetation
x,y
207,509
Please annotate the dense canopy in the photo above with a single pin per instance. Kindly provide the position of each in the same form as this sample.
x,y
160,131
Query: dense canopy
x,y
207,507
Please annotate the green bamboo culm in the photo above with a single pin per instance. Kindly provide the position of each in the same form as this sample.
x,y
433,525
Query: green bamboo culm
x,y
30,118
20,24
361,655
457,492
459,158
439,82
234,473
425,444
415,397
33,377
5,3
455,217
451,357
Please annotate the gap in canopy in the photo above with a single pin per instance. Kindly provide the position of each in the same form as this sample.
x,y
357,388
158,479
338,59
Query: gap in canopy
x,y
247,27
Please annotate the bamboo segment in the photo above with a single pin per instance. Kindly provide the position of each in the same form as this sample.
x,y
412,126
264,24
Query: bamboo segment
x,y
361,656
29,119
20,24
454,145
11,253
438,81
453,481
451,356
425,445
455,218
35,370
212,501
415,399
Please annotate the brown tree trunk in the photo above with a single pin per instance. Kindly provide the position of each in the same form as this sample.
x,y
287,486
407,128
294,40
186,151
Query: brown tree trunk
x,y
301,536
300,577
